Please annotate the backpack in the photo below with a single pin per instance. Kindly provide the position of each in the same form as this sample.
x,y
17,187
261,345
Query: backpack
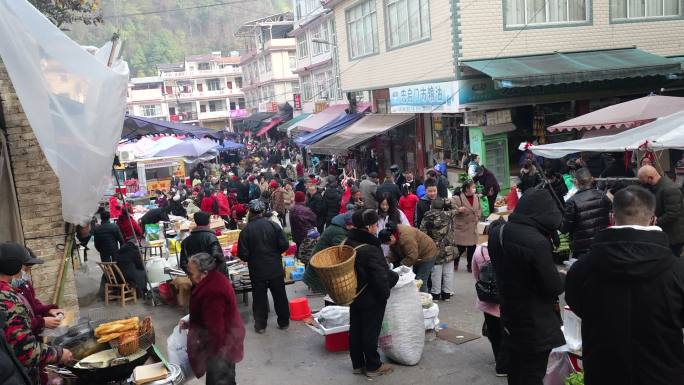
x,y
305,249
486,286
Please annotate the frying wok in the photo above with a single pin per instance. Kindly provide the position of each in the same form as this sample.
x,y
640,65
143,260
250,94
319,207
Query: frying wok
x,y
119,372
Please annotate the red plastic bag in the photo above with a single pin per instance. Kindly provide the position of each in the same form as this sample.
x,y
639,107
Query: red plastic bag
x,y
167,294
512,199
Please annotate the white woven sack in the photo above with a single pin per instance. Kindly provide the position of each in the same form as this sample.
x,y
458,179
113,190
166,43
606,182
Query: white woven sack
x,y
402,338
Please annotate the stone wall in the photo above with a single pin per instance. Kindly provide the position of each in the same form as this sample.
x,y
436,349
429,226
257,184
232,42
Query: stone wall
x,y
39,198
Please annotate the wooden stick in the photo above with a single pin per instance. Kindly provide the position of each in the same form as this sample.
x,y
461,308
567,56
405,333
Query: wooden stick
x,y
59,285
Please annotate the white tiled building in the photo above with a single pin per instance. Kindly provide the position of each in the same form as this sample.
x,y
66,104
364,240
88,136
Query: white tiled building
x,y
204,90
317,65
269,62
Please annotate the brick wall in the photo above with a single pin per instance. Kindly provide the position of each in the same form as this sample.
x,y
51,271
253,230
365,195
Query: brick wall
x,y
38,196
431,60
482,34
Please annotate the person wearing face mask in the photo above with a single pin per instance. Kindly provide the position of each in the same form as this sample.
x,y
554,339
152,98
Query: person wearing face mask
x,y
468,211
27,346
44,315
374,282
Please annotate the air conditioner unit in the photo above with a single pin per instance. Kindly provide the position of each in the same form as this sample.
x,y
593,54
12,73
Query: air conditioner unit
x,y
126,156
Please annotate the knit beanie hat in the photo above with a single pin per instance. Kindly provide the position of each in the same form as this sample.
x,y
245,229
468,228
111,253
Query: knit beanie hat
x,y
300,197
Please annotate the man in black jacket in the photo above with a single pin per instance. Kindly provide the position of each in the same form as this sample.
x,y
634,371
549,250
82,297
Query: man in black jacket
x,y
586,213
202,239
491,186
316,203
529,285
629,292
669,209
333,199
107,238
261,244
374,281
154,216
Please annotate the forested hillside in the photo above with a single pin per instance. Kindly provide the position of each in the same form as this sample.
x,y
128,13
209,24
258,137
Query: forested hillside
x,y
153,33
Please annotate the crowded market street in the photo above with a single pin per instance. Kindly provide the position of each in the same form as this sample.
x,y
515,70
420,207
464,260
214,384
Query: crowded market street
x,y
326,192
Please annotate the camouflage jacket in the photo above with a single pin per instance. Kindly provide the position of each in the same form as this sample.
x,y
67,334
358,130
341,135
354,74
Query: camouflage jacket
x,y
438,224
32,353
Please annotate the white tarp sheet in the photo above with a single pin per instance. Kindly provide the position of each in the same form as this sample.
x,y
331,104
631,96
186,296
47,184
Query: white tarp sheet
x,y
73,101
664,133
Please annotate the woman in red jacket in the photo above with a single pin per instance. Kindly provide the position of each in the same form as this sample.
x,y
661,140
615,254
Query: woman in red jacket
x,y
217,333
208,203
128,225
223,205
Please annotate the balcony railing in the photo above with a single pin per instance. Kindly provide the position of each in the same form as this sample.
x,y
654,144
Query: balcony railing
x,y
206,94
184,116
196,73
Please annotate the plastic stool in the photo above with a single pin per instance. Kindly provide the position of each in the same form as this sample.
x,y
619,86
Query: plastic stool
x,y
299,309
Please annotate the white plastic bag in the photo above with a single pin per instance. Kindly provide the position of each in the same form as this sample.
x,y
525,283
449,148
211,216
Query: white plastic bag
x,y
177,351
73,100
558,367
402,337
334,316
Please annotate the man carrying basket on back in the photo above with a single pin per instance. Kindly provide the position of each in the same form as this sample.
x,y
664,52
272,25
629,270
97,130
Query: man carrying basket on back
x,y
374,281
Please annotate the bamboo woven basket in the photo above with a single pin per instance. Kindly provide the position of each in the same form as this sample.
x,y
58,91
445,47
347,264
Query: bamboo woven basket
x,y
335,267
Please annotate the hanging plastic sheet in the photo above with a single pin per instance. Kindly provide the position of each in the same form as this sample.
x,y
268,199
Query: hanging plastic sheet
x,y
74,102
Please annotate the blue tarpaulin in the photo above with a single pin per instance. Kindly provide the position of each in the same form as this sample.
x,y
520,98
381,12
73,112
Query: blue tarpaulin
x,y
334,126
229,145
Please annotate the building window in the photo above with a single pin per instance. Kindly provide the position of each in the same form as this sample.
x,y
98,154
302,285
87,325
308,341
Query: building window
x,y
293,60
321,33
519,13
362,29
322,86
151,110
407,21
267,61
241,103
643,9
203,66
295,87
302,47
238,82
262,65
213,84
306,87
217,105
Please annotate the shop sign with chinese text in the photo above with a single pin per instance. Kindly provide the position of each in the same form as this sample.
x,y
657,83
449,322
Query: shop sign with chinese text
x,y
425,98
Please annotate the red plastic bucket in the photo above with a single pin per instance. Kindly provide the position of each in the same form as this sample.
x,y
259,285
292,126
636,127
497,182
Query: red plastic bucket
x,y
338,342
299,309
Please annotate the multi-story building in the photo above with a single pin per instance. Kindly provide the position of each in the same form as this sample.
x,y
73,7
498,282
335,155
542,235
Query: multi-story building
x,y
268,62
317,66
483,76
203,89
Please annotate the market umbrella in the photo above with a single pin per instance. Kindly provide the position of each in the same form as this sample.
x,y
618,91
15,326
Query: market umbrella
x,y
664,133
159,144
625,115
190,147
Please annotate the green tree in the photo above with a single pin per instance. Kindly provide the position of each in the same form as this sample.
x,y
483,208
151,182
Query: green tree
x,y
64,12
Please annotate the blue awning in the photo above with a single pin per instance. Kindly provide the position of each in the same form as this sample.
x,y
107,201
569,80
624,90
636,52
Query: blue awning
x,y
334,126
